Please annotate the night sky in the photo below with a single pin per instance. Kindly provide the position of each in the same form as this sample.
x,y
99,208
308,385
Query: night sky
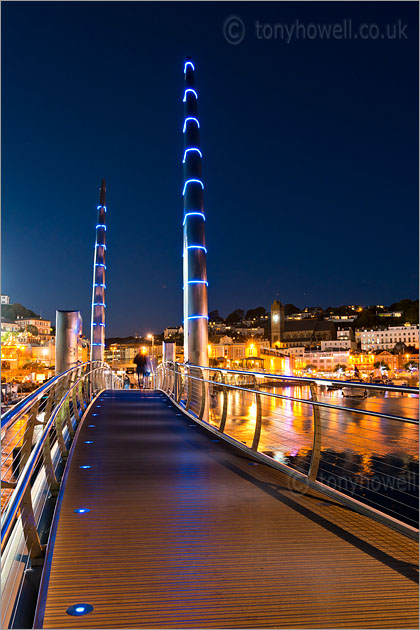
x,y
310,157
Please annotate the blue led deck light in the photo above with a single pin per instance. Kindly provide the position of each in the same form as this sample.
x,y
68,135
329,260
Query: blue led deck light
x,y
198,282
192,181
193,149
190,214
97,284
100,265
81,510
187,120
100,245
101,225
184,100
99,207
188,63
88,442
79,609
90,426
85,467
99,304
197,317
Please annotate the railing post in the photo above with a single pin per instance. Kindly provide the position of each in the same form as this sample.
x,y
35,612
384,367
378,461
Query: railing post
x,y
46,450
316,446
63,417
189,388
176,383
204,389
165,377
257,432
30,531
225,391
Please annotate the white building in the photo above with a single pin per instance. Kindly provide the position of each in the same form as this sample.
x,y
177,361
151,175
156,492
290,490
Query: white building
x,y
8,326
43,325
173,331
337,344
387,338
345,341
5,299
326,361
341,318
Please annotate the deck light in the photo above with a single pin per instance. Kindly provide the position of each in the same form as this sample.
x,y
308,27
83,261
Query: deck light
x,y
79,609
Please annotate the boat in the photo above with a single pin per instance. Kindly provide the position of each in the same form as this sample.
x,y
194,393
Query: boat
x,y
354,392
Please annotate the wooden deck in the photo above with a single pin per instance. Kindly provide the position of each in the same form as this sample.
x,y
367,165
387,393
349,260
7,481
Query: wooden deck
x,y
184,532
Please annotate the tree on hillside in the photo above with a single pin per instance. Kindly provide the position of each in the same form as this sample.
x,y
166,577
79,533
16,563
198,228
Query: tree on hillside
x,y
255,312
235,316
214,316
289,309
368,319
13,311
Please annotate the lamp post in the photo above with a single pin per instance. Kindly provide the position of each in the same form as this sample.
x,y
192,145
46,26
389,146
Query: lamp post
x,y
150,336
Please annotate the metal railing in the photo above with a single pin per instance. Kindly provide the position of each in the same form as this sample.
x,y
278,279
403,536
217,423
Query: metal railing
x,y
357,443
36,436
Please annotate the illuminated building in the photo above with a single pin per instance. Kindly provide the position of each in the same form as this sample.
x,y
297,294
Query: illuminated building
x,y
323,361
277,322
227,353
393,361
8,326
363,362
194,245
97,334
172,331
386,338
42,325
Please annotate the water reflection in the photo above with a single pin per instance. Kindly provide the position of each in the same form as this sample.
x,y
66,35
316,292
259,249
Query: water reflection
x,y
359,452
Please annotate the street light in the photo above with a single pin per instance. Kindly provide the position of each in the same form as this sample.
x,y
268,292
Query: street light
x,y
150,336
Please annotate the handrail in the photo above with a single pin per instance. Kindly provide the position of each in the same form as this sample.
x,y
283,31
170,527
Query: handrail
x,y
317,466
13,506
22,406
318,381
364,412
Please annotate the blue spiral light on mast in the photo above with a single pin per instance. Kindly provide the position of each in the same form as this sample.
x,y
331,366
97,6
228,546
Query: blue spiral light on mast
x,y
97,334
194,251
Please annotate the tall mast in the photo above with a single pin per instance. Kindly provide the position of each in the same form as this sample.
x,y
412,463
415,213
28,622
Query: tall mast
x,y
194,250
97,334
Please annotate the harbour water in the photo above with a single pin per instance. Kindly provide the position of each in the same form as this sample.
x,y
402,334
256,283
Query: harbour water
x,y
371,458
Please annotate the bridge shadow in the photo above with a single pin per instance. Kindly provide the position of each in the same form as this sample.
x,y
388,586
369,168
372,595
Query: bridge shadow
x,y
278,492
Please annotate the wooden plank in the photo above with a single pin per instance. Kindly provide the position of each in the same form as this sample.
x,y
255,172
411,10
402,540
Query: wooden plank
x,y
183,533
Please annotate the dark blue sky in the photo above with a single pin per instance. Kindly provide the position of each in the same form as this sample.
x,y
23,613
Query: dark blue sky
x,y
310,156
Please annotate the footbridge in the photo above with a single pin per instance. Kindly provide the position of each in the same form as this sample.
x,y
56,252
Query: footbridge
x,y
216,499
208,503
